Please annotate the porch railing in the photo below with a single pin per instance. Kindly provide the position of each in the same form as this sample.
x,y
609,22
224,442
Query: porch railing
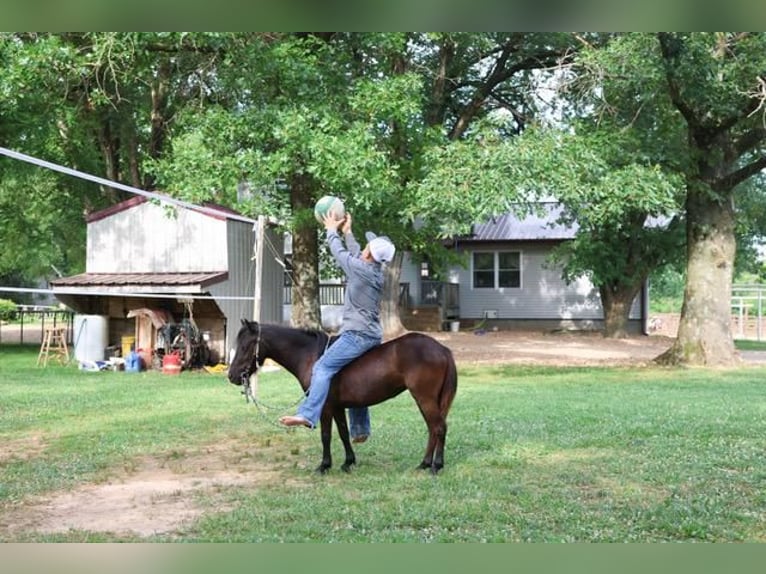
x,y
329,294
333,293
440,294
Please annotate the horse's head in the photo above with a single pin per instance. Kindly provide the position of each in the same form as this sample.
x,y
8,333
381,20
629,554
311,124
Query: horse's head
x,y
245,361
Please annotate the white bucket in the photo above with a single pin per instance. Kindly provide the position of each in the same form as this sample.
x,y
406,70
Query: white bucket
x,y
454,326
90,337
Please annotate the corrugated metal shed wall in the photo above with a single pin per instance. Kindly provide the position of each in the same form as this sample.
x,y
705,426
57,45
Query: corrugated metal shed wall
x,y
241,283
273,276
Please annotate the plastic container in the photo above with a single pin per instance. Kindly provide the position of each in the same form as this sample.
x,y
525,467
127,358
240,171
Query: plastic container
x,y
132,362
127,345
171,364
90,337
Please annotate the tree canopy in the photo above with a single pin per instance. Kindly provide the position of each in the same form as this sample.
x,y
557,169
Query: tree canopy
x,y
422,134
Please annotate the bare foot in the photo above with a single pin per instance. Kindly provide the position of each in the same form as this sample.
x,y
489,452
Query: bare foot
x,y
296,421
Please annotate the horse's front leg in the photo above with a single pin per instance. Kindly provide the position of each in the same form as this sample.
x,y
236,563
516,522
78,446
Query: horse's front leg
x,y
325,430
339,415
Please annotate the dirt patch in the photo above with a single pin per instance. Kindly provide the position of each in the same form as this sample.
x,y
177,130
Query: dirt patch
x,y
157,496
556,348
22,449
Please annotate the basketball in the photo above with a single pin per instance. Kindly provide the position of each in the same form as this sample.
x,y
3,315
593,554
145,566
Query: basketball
x,y
329,205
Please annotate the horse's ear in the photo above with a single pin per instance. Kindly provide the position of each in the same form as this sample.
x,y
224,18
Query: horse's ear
x,y
244,321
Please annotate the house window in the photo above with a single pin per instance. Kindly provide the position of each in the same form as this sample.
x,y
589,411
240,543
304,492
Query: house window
x,y
483,270
496,269
509,269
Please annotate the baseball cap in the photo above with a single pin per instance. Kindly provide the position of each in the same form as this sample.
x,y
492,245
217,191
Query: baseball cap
x,y
381,248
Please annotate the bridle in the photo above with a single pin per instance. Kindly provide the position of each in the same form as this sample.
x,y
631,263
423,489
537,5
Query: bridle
x,y
247,388
251,394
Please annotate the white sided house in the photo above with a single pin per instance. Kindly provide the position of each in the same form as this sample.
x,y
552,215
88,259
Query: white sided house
x,y
508,283
149,262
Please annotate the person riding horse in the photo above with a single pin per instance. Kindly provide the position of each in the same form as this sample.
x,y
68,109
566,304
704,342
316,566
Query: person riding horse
x,y
360,330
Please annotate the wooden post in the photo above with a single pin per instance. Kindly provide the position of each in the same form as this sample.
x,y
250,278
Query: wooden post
x,y
258,294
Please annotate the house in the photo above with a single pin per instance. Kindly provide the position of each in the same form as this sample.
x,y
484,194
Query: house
x,y
508,282
150,263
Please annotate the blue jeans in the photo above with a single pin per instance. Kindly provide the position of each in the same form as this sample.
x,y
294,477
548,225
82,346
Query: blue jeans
x,y
349,346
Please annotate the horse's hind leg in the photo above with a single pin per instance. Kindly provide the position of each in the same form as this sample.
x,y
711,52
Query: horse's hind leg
x,y
438,459
437,429
429,455
434,457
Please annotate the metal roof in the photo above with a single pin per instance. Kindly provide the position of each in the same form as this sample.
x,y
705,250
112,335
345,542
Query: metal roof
x,y
533,227
141,279
210,209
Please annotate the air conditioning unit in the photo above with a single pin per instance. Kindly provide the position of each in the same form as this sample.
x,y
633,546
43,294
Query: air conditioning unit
x,y
490,313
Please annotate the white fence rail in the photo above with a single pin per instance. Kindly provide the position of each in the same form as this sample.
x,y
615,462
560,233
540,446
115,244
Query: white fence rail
x,y
748,305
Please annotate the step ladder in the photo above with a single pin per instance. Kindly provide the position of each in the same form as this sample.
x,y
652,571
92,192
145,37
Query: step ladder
x,y
54,344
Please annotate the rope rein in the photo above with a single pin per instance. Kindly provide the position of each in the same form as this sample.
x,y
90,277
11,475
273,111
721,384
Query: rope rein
x,y
250,386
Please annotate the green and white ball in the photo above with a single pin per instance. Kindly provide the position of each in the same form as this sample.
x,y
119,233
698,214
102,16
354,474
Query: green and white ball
x,y
329,204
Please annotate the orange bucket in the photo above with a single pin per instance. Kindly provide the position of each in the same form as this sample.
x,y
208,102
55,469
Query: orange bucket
x,y
171,364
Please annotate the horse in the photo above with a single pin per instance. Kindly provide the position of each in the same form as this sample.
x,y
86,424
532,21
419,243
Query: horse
x,y
414,361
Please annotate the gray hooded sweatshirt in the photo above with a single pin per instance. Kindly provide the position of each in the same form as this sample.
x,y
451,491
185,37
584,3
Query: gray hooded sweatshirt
x,y
364,286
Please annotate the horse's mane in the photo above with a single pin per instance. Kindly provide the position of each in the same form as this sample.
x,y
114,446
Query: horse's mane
x,y
309,331
314,332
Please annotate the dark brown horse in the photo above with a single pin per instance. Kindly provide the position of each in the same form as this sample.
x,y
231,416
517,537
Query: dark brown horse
x,y
414,362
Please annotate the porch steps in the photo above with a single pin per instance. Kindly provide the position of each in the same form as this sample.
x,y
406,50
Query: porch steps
x,y
422,319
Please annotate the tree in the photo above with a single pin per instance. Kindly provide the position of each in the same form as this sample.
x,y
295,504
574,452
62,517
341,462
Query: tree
x,y
102,103
465,79
355,115
750,201
716,83
698,100
291,131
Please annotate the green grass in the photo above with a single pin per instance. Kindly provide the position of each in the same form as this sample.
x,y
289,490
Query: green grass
x,y
533,454
749,345
666,304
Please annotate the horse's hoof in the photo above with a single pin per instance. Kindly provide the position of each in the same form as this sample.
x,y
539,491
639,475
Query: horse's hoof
x,y
347,467
424,465
321,469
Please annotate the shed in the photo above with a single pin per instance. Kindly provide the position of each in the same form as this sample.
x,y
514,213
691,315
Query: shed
x,y
147,260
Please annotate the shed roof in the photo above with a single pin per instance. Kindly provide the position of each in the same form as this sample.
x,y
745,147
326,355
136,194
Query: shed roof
x,y
145,281
209,209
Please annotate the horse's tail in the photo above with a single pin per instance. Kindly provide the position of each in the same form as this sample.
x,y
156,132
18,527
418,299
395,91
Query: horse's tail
x,y
449,385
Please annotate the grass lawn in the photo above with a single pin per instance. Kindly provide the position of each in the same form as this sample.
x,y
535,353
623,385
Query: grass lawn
x,y
533,454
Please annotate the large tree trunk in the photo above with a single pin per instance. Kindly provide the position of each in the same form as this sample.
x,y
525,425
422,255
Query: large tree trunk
x,y
389,304
616,302
704,332
306,311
